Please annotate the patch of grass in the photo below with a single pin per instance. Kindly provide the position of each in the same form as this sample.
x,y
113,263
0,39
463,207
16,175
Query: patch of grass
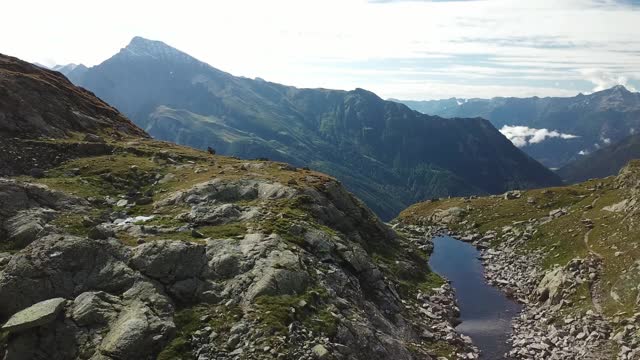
x,y
275,312
101,176
424,282
225,231
322,322
441,349
287,215
431,281
165,221
126,239
410,269
71,223
581,301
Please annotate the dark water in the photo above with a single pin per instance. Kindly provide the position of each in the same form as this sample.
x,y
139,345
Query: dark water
x,y
485,311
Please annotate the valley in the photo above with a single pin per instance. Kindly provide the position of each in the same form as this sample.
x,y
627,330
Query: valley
x,y
387,154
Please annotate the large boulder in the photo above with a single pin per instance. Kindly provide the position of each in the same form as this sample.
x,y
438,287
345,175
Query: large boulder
x,y
214,214
278,274
448,216
94,307
224,190
550,288
101,232
63,266
26,208
137,333
25,226
169,261
16,196
39,314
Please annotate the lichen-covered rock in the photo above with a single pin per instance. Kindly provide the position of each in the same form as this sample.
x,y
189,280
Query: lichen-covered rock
x,y
228,191
169,261
278,269
62,266
550,288
215,214
94,307
26,208
35,315
101,232
137,333
25,227
448,216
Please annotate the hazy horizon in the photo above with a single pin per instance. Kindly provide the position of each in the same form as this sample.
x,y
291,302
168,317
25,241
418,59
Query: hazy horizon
x,y
410,50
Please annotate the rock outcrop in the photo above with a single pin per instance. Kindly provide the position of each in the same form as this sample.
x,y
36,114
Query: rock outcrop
x,y
317,270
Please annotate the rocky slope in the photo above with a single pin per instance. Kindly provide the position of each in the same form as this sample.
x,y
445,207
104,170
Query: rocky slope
x,y
140,249
38,104
598,119
571,255
388,155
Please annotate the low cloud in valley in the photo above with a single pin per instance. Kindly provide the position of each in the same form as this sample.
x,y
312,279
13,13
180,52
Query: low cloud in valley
x,y
522,136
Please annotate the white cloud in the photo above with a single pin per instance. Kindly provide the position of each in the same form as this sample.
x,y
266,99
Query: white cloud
x,y
603,79
522,136
583,152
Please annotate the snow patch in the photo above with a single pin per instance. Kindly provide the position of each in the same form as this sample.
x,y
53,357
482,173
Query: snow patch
x,y
133,220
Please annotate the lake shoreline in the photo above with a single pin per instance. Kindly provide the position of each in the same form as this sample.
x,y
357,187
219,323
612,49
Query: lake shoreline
x,y
541,328
486,313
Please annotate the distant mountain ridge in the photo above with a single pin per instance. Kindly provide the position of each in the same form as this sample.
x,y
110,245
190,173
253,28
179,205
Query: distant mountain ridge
x,y
71,71
387,154
605,162
598,119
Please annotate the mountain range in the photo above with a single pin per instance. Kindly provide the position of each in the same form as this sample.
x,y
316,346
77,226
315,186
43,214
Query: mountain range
x,y
121,246
582,124
386,153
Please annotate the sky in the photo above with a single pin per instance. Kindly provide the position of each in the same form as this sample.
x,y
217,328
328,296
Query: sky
x,y
402,49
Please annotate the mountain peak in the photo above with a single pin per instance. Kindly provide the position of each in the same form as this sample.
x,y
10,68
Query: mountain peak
x,y
621,89
615,90
142,47
138,42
